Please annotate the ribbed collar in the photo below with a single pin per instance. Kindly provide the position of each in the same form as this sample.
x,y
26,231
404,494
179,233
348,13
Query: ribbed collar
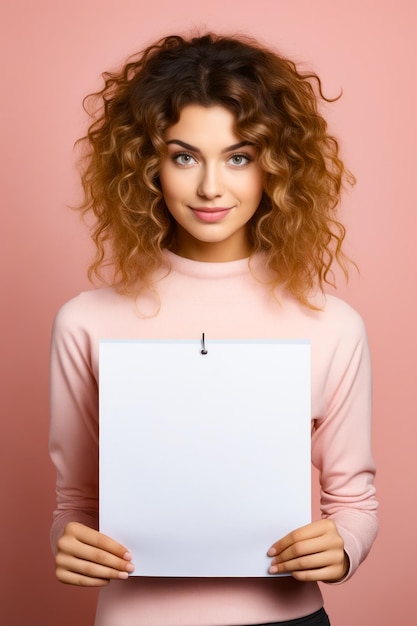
x,y
200,269
253,267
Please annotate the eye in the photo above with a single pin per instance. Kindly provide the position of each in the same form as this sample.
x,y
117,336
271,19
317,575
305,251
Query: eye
x,y
183,158
238,160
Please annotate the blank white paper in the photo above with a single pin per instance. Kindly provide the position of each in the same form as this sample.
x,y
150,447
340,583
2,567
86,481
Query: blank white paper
x,y
204,459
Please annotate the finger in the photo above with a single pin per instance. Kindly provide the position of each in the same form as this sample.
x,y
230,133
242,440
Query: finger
x,y
294,537
318,545
331,566
329,573
306,562
82,568
91,545
89,558
73,578
322,574
96,539
304,533
85,552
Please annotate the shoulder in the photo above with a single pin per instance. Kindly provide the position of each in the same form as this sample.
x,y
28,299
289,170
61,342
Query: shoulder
x,y
338,310
87,307
91,301
336,330
343,335
338,316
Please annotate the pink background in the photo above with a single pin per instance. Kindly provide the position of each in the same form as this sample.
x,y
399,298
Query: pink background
x,y
54,54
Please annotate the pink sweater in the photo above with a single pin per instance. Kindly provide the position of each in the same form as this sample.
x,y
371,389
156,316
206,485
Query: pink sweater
x,y
227,300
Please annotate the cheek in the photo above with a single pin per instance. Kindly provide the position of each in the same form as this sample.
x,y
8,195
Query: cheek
x,y
167,176
174,185
254,189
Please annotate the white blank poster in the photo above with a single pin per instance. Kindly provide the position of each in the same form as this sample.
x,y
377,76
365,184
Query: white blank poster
x,y
204,459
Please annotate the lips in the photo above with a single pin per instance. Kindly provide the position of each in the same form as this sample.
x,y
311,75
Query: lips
x,y
211,215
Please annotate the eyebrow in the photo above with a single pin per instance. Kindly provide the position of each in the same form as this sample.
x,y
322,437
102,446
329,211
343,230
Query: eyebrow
x,y
188,146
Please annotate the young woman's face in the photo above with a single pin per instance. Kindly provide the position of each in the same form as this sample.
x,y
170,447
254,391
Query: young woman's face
x,y
212,184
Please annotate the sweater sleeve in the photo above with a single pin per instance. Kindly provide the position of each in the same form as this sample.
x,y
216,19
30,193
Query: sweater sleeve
x,y
341,444
74,424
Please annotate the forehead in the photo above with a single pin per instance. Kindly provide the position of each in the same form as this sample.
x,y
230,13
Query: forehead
x,y
199,125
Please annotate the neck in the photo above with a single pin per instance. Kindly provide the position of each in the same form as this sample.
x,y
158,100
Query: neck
x,y
213,252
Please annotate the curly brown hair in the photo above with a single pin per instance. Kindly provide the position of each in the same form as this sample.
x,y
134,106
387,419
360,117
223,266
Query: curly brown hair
x,y
276,108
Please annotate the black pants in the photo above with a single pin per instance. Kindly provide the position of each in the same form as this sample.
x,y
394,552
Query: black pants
x,y
319,618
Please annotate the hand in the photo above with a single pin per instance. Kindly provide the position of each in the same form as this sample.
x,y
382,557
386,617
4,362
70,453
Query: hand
x,y
87,557
312,552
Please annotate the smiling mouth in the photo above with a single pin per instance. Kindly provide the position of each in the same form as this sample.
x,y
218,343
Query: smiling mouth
x,y
211,215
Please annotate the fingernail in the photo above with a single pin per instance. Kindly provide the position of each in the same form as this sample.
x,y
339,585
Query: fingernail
x,y
127,556
123,575
272,552
273,569
130,567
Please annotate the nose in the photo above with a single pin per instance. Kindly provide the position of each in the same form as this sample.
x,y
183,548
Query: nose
x,y
211,184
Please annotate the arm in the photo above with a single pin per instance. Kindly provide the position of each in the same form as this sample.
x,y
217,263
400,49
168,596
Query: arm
x,y
331,549
83,555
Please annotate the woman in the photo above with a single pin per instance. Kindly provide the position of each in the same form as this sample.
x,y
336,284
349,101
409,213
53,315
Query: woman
x,y
210,164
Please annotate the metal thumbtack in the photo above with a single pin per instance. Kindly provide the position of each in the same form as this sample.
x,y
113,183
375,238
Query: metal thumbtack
x,y
203,345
